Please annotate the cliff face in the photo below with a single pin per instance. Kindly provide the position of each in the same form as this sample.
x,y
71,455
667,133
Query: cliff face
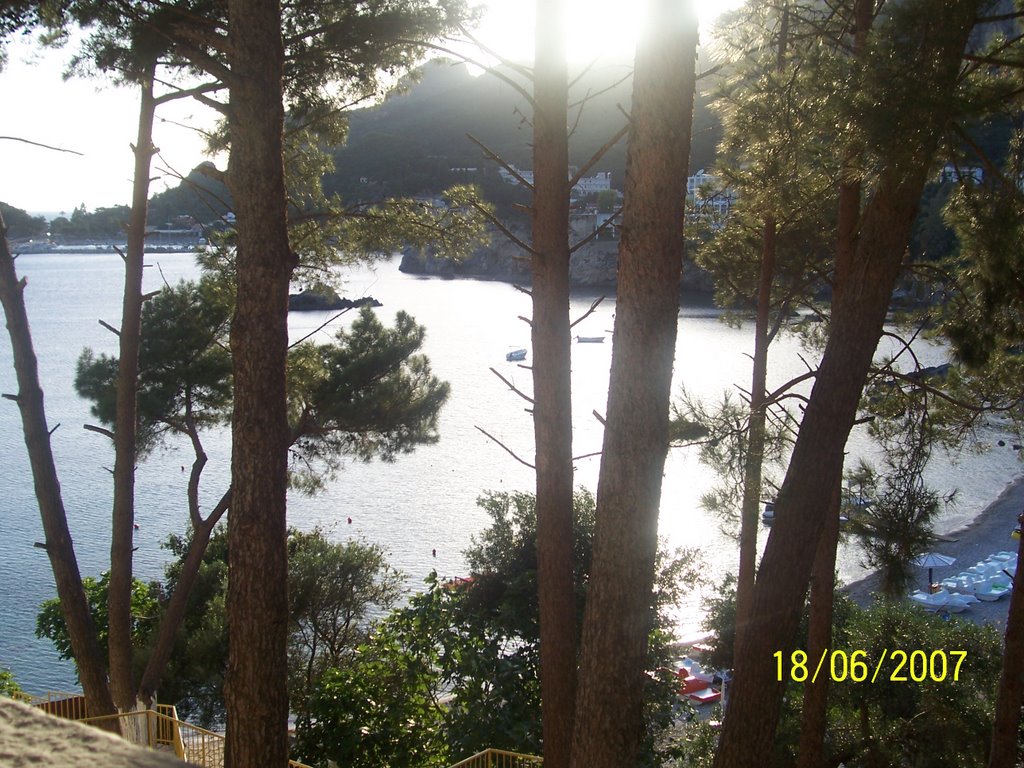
x,y
592,266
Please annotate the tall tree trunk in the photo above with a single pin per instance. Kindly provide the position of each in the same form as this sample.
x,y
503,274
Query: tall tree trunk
x,y
60,549
119,599
814,718
863,287
1010,698
609,724
256,693
552,411
753,468
754,459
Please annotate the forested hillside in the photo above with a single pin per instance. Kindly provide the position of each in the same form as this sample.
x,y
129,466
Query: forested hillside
x,y
414,140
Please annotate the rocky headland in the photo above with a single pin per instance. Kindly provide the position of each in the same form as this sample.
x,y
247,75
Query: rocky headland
x,y
591,266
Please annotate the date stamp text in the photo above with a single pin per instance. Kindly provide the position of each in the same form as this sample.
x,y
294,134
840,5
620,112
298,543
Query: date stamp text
x,y
897,666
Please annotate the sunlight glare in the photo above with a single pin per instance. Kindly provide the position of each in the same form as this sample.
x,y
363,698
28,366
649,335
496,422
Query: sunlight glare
x,y
597,29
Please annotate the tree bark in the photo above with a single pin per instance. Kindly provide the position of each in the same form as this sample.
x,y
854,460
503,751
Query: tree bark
x,y
863,288
617,622
1010,698
754,460
256,693
753,468
552,408
814,718
119,599
59,547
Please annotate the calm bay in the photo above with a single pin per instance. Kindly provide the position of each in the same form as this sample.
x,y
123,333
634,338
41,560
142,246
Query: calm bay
x,y
422,504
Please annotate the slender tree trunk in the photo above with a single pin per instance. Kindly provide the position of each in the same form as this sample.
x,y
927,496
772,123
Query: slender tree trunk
x,y
119,599
552,411
811,753
609,724
256,693
1010,698
754,460
174,614
91,665
552,385
863,288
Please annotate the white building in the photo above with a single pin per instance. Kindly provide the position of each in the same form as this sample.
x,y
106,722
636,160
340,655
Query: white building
x,y
509,177
588,185
706,198
699,180
599,182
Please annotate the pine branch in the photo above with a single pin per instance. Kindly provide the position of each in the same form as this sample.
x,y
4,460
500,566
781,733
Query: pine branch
x,y
508,450
600,153
504,230
496,158
513,387
605,225
586,314
98,430
38,144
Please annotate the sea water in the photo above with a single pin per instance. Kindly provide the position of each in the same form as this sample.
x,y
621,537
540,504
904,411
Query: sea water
x,y
421,508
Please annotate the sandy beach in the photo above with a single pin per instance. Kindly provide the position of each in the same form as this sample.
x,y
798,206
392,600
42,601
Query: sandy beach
x,y
987,534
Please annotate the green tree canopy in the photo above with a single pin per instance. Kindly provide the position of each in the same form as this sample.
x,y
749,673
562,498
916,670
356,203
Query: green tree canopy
x,y
335,588
456,671
369,394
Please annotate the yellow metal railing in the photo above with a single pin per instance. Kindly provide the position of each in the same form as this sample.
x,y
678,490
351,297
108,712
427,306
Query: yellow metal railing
x,y
70,706
499,758
160,729
24,698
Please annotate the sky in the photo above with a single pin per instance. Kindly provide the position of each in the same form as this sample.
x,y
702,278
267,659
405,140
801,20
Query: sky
x,y
98,120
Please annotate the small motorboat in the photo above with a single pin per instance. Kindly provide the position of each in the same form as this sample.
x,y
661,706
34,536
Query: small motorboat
x,y
768,515
516,355
590,339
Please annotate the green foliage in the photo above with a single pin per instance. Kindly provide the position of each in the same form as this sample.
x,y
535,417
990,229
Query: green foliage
x,y
984,314
201,195
720,621
777,162
101,224
333,588
184,365
721,434
930,723
477,641
20,224
8,685
381,708
897,525
368,394
934,723
50,622
194,678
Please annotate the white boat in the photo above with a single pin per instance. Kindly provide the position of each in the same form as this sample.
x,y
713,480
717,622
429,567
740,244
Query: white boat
x,y
590,339
516,355
768,515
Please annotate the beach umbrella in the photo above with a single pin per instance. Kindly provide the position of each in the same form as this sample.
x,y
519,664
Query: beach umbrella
x,y
932,560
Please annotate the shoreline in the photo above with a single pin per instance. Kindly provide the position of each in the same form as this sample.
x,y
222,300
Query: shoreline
x,y
988,533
